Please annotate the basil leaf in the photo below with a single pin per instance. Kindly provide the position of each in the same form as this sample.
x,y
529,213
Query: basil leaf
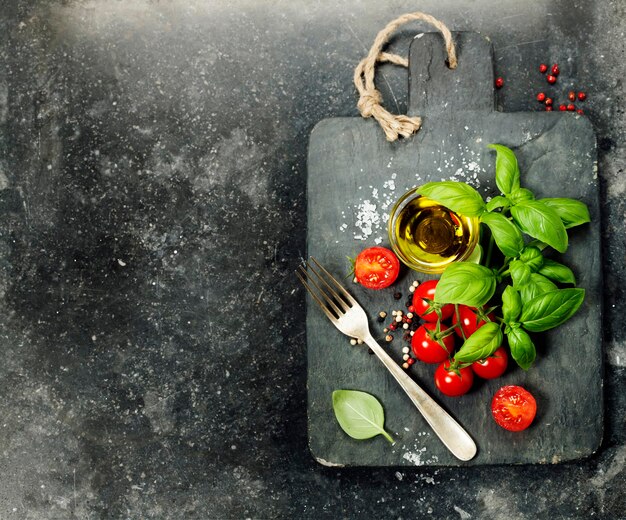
x,y
520,273
498,202
521,195
572,212
536,286
551,309
480,345
360,415
456,196
507,170
522,348
541,222
532,257
466,283
557,272
507,235
511,304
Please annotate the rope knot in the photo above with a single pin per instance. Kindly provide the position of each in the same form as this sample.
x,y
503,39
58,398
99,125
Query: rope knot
x,y
368,101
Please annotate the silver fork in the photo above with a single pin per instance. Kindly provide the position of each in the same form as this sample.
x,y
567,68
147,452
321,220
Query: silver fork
x,y
350,318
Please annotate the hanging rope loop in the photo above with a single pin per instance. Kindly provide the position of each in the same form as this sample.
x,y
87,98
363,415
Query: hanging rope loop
x,y
370,99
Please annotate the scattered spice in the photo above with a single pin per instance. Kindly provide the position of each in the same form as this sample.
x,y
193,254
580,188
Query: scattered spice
x,y
551,79
555,69
548,102
571,107
541,97
582,96
571,95
388,338
499,83
543,68
562,108
397,296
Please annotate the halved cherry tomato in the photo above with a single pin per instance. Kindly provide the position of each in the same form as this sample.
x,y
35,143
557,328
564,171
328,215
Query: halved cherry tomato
x,y
428,349
423,302
513,408
452,384
470,321
493,366
376,267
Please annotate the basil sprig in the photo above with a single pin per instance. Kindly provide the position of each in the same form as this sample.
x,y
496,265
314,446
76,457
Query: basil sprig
x,y
531,301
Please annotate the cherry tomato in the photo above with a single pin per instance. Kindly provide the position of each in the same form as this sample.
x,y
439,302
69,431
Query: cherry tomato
x,y
430,350
493,366
451,384
376,267
423,307
470,322
513,408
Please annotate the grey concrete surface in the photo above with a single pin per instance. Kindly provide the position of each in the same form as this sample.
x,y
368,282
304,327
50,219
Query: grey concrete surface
x,y
152,195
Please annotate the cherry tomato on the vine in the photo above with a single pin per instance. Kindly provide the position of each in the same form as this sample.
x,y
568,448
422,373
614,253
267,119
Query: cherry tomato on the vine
x,y
423,302
376,267
429,350
470,321
451,384
493,366
513,408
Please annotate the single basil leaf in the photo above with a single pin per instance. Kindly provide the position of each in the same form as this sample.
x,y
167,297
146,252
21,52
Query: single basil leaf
x,y
551,309
456,196
507,235
532,257
520,273
536,286
541,222
522,348
480,345
466,283
571,211
521,195
507,170
498,202
511,304
360,415
557,272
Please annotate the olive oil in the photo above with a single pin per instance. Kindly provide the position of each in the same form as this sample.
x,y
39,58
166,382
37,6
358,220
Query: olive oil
x,y
428,236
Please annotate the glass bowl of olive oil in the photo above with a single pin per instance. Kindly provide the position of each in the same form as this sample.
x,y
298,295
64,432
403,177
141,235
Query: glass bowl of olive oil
x,y
427,236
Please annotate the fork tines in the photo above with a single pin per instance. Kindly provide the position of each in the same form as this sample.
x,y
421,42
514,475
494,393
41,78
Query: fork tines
x,y
325,290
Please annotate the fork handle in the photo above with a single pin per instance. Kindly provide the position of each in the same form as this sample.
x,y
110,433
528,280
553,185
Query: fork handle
x,y
451,433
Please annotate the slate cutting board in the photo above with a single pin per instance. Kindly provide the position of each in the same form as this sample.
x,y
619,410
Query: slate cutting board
x,y
350,162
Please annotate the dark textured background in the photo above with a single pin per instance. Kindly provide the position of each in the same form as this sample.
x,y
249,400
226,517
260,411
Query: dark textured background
x,y
152,180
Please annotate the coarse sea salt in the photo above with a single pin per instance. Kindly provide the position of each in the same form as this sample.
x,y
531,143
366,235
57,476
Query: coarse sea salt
x,y
366,219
